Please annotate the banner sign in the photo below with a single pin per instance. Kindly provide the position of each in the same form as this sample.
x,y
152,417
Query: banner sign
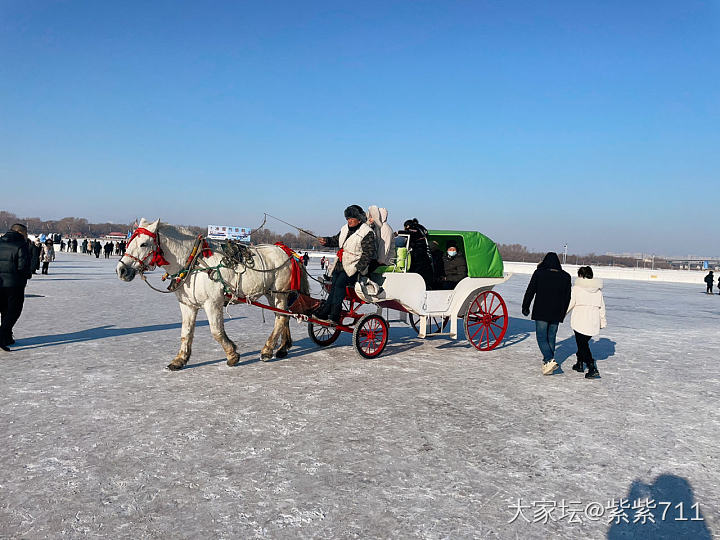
x,y
222,232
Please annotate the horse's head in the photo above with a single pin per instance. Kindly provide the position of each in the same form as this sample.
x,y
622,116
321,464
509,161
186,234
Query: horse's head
x,y
143,251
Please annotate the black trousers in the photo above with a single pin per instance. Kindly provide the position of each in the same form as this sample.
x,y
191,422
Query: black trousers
x,y
45,267
583,347
11,305
340,280
709,288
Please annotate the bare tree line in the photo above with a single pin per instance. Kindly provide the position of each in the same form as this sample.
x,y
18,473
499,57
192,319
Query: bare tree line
x,y
519,253
72,226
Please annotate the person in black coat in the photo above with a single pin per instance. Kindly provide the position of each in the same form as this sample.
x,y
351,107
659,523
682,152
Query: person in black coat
x,y
35,249
14,273
97,248
420,258
709,279
453,267
550,286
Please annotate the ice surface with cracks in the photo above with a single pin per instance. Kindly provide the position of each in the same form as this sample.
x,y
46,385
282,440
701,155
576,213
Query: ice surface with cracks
x,y
433,439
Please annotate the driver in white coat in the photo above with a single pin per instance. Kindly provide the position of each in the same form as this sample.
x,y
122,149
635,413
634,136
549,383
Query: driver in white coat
x,y
356,241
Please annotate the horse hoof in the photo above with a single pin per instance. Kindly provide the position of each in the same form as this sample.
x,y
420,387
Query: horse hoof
x,y
232,361
174,367
265,357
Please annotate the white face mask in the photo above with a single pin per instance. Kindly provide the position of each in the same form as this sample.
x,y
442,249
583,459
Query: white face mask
x,y
451,253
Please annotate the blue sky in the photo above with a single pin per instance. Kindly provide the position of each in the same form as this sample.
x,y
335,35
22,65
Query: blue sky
x,y
591,123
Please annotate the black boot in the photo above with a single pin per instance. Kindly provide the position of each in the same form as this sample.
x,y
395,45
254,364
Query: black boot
x,y
322,311
592,373
579,365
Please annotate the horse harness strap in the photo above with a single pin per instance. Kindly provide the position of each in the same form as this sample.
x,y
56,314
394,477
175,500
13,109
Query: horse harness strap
x,y
157,254
234,254
200,249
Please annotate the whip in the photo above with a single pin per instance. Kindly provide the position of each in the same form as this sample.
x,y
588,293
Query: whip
x,y
293,226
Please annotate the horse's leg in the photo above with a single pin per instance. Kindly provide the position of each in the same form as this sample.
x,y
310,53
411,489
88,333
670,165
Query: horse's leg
x,y
189,314
267,351
217,329
285,338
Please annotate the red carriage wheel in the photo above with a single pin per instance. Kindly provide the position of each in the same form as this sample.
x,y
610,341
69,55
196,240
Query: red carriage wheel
x,y
486,320
435,325
370,335
323,335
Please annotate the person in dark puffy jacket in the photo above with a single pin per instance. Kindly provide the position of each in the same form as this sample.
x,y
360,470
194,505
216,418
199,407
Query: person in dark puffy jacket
x,y
14,273
709,279
35,250
420,257
453,266
550,286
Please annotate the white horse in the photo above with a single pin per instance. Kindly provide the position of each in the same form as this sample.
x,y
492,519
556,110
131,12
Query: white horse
x,y
268,275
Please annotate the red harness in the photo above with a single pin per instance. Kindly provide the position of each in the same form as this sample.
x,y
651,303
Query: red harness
x,y
295,270
155,256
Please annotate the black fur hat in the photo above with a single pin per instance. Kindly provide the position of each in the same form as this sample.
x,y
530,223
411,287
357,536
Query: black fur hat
x,y
355,211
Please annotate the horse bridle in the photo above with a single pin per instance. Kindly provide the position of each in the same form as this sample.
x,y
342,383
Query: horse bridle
x,y
156,255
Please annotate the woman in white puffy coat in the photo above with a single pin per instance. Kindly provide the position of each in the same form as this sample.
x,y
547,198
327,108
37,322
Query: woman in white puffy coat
x,y
384,237
588,317
47,255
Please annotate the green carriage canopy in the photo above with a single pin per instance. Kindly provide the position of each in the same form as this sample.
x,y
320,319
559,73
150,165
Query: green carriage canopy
x,y
482,254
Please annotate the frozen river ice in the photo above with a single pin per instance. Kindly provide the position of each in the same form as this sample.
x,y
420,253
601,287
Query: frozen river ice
x,y
433,439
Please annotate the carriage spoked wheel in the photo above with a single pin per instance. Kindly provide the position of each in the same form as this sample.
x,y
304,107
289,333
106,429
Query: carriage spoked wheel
x,y
370,335
486,320
323,335
435,325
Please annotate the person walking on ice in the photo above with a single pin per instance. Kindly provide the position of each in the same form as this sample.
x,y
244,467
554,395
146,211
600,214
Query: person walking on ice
x,y
47,255
550,287
709,279
588,317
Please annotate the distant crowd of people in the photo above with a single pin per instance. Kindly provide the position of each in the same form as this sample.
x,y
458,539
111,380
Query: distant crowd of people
x,y
94,247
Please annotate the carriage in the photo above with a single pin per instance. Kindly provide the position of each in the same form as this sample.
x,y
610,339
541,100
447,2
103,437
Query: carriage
x,y
482,311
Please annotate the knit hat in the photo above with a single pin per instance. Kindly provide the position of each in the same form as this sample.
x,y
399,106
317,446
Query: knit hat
x,y
355,211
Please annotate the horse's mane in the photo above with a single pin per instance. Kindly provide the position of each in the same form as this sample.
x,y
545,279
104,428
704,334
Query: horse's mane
x,y
182,237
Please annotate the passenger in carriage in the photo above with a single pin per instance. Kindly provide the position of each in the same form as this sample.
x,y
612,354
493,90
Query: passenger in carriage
x,y
356,241
420,260
384,236
454,267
